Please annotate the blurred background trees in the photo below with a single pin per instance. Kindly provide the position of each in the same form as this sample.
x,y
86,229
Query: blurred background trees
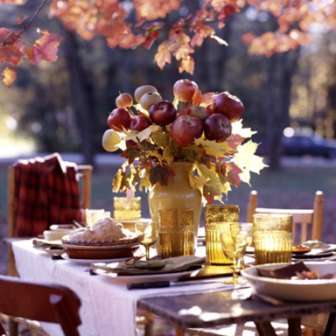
x,y
63,105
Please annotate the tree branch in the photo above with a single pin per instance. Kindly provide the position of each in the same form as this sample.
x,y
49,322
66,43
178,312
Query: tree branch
x,y
25,25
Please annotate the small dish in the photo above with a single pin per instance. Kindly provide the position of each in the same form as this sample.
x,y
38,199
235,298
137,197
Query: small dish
x,y
294,290
100,252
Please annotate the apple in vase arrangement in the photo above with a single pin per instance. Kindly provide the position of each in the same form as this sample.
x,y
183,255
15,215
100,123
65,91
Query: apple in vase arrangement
x,y
184,90
141,90
149,99
229,105
185,129
124,100
139,122
162,113
119,119
217,127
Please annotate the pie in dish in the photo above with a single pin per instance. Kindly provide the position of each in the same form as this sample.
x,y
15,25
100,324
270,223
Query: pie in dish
x,y
106,239
105,232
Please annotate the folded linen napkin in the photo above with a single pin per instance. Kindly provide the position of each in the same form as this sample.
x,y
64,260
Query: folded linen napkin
x,y
168,265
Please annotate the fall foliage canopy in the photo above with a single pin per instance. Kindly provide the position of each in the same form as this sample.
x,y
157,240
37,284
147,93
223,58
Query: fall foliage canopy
x,y
174,27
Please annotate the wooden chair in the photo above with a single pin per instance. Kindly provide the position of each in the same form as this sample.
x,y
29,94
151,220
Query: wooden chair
x,y
307,220
40,302
85,176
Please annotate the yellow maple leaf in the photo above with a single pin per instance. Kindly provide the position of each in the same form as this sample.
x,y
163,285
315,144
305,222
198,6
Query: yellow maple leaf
x,y
237,128
247,161
218,149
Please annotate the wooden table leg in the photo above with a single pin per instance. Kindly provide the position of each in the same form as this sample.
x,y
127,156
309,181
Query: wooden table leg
x,y
330,329
294,327
265,328
179,331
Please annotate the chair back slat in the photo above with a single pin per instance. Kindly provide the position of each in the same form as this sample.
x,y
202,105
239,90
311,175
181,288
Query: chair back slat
x,y
86,173
305,220
10,200
317,229
40,302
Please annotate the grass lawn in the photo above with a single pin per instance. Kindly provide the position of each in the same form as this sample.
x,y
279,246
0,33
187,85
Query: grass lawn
x,y
289,188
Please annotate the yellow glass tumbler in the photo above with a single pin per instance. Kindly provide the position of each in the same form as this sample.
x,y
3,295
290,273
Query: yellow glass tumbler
x,y
273,238
176,233
217,219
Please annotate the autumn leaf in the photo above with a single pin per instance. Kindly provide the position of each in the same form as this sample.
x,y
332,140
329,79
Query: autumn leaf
x,y
233,174
10,47
8,76
163,54
45,48
213,148
247,161
143,135
152,10
238,129
234,140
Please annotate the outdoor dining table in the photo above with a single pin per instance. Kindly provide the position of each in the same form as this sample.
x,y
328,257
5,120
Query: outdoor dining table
x,y
109,308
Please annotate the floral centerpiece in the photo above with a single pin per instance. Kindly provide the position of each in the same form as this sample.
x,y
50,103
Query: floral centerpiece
x,y
196,135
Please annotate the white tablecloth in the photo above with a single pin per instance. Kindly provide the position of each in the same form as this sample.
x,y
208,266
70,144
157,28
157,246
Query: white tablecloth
x,y
107,308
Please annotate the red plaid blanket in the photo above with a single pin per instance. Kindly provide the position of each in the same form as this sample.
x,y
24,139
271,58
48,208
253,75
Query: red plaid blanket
x,y
46,192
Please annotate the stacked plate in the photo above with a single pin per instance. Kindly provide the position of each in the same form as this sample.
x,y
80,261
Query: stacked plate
x,y
120,249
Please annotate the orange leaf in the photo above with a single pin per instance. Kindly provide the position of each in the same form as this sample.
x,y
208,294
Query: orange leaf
x,y
163,54
45,48
8,76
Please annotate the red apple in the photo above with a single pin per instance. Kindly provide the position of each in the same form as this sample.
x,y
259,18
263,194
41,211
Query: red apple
x,y
186,129
229,105
141,90
124,100
119,119
184,90
149,99
162,113
139,122
217,127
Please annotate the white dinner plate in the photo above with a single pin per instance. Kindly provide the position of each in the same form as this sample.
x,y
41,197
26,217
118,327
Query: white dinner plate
x,y
90,261
295,290
132,279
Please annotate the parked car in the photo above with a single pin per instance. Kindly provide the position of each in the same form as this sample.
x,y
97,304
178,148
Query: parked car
x,y
296,143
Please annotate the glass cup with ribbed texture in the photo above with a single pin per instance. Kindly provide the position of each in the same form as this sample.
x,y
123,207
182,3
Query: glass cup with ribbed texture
x,y
126,208
176,236
273,238
217,218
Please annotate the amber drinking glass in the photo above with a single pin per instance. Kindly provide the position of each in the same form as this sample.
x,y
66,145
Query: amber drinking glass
x,y
176,236
217,218
273,238
127,208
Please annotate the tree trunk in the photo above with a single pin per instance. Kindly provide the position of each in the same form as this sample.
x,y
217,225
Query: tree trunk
x,y
81,94
281,68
